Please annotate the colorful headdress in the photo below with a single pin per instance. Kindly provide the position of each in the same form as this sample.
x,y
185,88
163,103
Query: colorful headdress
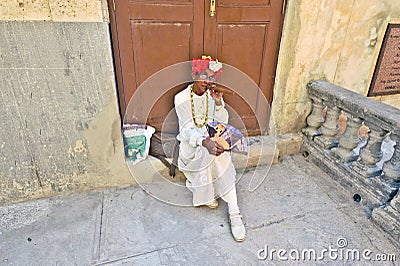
x,y
206,62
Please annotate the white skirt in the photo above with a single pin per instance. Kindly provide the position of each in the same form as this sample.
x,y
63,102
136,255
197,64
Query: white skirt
x,y
208,176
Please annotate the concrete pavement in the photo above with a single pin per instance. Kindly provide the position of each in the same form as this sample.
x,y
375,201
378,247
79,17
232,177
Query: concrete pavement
x,y
297,209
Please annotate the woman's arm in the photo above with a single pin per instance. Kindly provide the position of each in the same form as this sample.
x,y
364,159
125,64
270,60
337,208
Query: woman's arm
x,y
187,129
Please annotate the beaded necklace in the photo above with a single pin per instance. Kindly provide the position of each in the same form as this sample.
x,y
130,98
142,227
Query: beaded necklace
x,y
193,112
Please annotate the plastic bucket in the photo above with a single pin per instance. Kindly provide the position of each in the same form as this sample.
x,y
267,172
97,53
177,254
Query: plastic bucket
x,y
137,141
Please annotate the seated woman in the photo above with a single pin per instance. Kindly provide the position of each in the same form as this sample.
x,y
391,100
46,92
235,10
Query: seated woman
x,y
209,170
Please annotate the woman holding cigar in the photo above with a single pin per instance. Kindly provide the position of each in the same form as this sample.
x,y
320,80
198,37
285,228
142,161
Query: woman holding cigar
x,y
209,171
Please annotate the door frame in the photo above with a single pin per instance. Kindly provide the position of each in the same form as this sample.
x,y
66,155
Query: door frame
x,y
117,58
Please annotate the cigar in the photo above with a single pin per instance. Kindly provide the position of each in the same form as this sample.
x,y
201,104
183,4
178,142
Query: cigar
x,y
223,90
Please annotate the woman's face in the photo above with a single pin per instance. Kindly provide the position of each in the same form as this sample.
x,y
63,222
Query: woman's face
x,y
203,81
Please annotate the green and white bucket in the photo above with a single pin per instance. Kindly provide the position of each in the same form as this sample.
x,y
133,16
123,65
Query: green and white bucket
x,y
137,141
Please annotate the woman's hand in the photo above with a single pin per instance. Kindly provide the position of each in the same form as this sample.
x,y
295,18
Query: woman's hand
x,y
216,95
213,147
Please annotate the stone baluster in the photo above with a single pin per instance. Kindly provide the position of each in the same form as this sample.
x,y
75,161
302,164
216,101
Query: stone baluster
x,y
391,168
329,128
371,153
315,119
348,141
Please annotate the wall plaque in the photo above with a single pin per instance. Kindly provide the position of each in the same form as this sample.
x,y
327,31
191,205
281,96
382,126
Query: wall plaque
x,y
386,77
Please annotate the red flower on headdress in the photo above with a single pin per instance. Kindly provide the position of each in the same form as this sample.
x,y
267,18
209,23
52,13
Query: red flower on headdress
x,y
203,63
199,65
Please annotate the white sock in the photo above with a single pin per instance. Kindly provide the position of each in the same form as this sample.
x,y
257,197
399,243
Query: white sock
x,y
231,199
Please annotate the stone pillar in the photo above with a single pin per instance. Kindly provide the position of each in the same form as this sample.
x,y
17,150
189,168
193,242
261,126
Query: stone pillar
x,y
371,153
348,141
315,119
329,128
391,168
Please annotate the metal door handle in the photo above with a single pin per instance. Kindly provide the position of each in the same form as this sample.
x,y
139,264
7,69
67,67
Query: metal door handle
x,y
212,8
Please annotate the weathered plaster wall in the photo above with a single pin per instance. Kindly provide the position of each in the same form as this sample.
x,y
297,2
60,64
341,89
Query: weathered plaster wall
x,y
54,10
60,123
335,40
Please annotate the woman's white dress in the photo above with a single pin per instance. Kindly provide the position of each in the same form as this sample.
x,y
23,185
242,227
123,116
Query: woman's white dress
x,y
208,176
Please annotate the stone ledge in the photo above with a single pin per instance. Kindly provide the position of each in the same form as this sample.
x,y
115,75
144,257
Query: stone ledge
x,y
373,191
385,116
263,150
289,143
388,219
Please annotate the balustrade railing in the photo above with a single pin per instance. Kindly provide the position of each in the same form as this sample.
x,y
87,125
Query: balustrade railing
x,y
360,172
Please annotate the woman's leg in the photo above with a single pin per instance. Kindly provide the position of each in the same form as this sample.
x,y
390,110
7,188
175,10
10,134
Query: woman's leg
x,y
231,199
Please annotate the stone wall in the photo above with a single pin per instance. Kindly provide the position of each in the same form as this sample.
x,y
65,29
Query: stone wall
x,y
59,111
60,120
334,40
54,10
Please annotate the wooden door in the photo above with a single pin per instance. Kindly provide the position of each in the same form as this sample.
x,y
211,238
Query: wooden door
x,y
150,35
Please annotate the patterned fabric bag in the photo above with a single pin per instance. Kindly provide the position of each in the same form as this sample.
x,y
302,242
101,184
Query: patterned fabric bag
x,y
228,136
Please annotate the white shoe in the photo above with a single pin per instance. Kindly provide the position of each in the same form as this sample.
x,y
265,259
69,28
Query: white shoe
x,y
237,227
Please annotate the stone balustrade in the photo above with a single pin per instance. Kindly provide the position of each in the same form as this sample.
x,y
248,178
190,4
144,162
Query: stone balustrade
x,y
357,165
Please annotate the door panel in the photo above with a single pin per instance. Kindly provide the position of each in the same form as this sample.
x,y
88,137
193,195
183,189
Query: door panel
x,y
152,41
251,3
166,11
153,35
248,51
